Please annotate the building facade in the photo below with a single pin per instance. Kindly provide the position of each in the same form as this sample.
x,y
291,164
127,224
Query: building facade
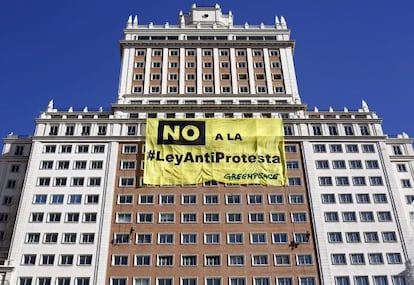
x,y
86,216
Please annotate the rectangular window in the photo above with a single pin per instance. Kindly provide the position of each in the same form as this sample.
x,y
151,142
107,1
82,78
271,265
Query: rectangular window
x,y
338,259
335,237
235,238
357,258
304,259
352,148
212,238
212,260
375,258
260,260
258,238
189,238
338,164
144,238
142,260
278,217
275,199
322,164
353,237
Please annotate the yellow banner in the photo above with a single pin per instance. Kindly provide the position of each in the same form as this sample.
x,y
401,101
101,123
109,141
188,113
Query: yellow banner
x,y
234,151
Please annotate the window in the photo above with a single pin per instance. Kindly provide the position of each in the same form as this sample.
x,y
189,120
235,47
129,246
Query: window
x,y
144,238
282,259
260,260
398,280
328,198
261,281
255,199
368,148
236,260
82,281
127,181
353,148
294,181
258,238
89,217
292,164
325,181
60,181
345,198
389,237
130,149
92,199
366,216
358,181
32,237
94,181
125,199
66,259
80,164
291,148
288,130
142,260
123,217
380,198
335,237
406,183
284,281
298,217
189,218
256,217
120,260
357,258
189,238
331,217
362,198
317,130
333,130
322,164
46,164
54,217
63,280
165,238
167,199
384,216
122,238
165,260
296,199
40,199
212,238
304,259
349,130
353,237
212,260
342,280
342,181
78,181
118,281
372,164
233,199
213,281
380,280
276,199
401,167
72,217
278,217
36,217
375,258
335,148
394,258
235,238
355,164
85,259
338,259
301,237
234,217
211,199
44,281
361,280
74,199
375,180
349,216
146,199
397,150
371,237
189,260
338,164
69,238
145,217
211,217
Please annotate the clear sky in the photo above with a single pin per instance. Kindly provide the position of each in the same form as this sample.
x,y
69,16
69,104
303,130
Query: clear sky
x,y
68,51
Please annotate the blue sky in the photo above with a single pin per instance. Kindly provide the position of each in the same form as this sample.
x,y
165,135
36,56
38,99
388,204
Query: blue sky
x,y
68,51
